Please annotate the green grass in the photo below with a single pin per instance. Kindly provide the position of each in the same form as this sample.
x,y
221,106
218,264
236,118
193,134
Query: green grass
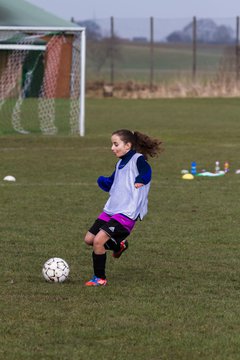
x,y
175,293
29,118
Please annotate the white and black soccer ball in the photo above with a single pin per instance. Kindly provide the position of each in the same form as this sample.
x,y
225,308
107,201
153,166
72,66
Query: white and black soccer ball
x,y
55,270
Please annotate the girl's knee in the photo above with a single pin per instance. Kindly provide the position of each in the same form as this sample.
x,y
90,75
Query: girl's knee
x,y
100,239
89,238
97,242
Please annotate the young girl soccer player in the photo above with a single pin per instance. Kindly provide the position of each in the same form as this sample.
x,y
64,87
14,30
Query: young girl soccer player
x,y
128,188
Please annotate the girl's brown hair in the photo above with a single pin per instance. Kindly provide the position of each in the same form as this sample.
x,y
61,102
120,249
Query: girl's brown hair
x,y
142,143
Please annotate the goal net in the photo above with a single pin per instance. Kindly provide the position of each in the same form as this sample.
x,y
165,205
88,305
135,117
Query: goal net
x,y
42,80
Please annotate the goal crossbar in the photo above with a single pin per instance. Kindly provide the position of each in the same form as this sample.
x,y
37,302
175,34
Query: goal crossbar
x,y
22,47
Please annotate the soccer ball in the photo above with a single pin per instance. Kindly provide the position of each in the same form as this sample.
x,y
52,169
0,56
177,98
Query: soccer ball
x,y
55,270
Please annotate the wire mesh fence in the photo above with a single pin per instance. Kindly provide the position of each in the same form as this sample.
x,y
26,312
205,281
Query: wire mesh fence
x,y
154,57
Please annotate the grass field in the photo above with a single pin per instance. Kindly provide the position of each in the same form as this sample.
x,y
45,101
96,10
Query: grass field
x,y
175,293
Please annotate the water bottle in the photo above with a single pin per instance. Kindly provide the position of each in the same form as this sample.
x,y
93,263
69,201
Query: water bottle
x,y
194,168
217,167
226,167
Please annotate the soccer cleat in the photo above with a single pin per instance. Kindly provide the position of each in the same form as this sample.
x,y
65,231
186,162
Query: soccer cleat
x,y
123,247
96,281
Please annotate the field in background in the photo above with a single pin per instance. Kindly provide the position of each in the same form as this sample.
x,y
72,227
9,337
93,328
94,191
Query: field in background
x,y
175,293
171,63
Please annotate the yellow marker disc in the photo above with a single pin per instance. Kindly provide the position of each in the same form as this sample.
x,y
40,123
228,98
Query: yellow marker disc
x,y
188,177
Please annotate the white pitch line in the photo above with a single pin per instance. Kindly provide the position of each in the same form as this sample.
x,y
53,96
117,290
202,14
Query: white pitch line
x,y
6,183
48,184
45,148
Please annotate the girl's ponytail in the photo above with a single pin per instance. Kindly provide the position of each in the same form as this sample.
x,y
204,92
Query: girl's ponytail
x,y
147,145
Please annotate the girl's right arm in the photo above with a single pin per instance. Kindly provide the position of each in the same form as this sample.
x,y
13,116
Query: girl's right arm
x,y
105,183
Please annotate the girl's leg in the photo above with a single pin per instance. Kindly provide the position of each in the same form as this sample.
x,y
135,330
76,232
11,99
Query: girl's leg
x,y
99,254
109,244
99,259
99,241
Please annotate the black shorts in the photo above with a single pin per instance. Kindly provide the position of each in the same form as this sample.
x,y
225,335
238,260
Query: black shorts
x,y
113,228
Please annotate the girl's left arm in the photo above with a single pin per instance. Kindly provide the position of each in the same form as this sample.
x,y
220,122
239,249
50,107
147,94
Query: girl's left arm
x,y
145,172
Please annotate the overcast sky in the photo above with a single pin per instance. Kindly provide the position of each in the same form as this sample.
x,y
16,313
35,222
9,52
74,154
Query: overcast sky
x,y
166,9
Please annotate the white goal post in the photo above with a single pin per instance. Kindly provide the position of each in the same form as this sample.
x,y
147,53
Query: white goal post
x,y
55,70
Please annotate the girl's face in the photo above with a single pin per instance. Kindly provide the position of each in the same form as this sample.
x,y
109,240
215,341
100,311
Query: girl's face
x,y
119,147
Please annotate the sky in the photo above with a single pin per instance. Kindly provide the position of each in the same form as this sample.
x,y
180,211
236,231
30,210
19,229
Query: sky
x,y
165,9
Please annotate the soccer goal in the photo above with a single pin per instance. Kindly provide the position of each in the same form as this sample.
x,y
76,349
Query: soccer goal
x,y
42,79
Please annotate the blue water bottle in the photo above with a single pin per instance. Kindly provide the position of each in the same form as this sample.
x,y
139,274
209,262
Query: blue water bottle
x,y
194,168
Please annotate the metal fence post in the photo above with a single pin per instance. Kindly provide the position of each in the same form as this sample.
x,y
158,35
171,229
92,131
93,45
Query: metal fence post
x,y
151,52
237,49
112,52
194,45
